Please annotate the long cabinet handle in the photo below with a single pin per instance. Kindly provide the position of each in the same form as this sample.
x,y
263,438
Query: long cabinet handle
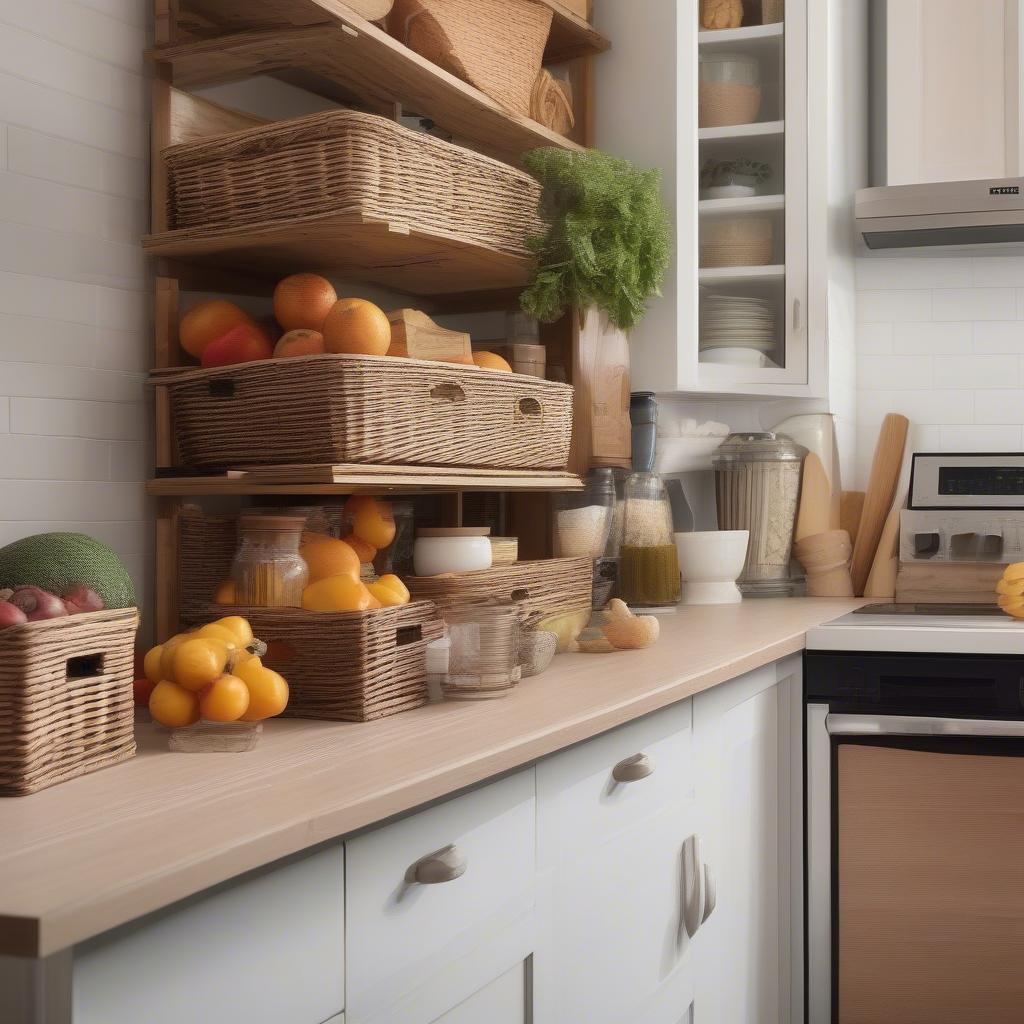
x,y
918,725
700,894
632,769
444,865
710,894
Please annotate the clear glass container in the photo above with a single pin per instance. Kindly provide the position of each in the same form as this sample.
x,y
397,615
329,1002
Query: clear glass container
x,y
483,656
584,527
268,570
648,564
729,90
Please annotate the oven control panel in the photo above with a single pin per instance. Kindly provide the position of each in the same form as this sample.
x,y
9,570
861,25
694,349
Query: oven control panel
x,y
967,481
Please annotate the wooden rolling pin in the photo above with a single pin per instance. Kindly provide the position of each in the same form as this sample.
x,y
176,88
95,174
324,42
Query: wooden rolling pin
x,y
879,496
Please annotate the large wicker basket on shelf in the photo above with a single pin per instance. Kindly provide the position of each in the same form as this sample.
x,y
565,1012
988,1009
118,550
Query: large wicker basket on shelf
x,y
347,162
541,587
496,45
348,666
66,702
372,410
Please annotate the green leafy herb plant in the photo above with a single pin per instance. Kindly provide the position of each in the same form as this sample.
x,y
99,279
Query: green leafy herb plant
x,y
608,242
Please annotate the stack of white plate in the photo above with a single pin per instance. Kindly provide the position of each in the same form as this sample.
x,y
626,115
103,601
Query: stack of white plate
x,y
736,322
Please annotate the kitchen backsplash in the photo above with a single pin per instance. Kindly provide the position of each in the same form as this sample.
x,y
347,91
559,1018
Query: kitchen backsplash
x,y
941,339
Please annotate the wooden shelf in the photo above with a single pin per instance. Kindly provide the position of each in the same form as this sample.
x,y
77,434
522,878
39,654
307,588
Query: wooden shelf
x,y
737,275
387,254
349,59
352,479
743,204
742,131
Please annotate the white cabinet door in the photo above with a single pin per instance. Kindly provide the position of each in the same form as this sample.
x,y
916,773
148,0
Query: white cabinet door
x,y
502,1001
748,755
612,877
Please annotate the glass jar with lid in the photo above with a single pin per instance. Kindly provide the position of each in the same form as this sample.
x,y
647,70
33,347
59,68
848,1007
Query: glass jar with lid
x,y
757,488
584,524
729,90
268,570
648,563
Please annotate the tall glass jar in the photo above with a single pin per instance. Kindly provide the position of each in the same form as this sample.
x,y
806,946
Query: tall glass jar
x,y
268,570
584,528
648,563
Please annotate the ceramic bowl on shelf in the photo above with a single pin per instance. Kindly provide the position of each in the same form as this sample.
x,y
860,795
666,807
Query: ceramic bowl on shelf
x,y
438,551
710,563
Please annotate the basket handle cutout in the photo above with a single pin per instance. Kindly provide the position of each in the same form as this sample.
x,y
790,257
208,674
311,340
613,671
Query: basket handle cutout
x,y
221,388
520,595
528,407
406,635
279,653
85,666
448,393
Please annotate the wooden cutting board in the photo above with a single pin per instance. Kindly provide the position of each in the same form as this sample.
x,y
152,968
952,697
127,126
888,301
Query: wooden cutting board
x,y
879,496
881,580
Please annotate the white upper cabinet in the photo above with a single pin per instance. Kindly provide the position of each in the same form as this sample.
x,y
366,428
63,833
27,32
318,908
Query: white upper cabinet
x,y
745,308
950,106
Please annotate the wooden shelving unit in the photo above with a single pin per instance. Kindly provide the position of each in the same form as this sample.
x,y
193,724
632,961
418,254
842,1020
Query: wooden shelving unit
x,y
328,48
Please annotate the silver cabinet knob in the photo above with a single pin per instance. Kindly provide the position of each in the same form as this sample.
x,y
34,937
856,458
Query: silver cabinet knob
x,y
442,866
632,769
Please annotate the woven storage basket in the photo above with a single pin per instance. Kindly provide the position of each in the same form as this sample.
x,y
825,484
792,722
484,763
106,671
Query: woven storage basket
x,y
348,666
727,103
496,45
346,162
66,702
552,585
367,409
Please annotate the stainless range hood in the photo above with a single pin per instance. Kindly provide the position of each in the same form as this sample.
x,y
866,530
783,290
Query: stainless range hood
x,y
982,212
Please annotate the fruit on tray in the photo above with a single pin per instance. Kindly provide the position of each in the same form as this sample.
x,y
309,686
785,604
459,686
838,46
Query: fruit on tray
x,y
300,342
59,562
303,301
327,557
1010,590
11,615
208,321
357,327
365,552
373,520
337,594
626,631
491,361
213,673
243,343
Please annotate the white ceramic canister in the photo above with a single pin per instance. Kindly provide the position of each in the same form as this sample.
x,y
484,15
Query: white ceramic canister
x,y
462,549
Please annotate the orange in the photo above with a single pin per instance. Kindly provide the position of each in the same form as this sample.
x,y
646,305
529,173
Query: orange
x,y
198,662
226,699
372,521
328,557
238,627
215,631
392,582
268,692
337,594
226,593
167,654
173,705
364,552
151,665
385,595
300,342
491,361
357,326
1014,588
1014,572
207,322
303,300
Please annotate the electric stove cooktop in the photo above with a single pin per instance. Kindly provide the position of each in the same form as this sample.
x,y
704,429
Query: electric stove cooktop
x,y
921,629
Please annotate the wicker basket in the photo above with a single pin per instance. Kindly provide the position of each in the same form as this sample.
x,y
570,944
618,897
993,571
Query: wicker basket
x,y
347,666
345,162
371,410
553,585
496,45
66,703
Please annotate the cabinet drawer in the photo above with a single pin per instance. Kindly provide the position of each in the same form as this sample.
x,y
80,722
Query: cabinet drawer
x,y
264,950
402,933
580,803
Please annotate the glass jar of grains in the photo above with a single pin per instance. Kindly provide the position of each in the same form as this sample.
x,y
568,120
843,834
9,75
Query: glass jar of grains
x,y
648,563
268,570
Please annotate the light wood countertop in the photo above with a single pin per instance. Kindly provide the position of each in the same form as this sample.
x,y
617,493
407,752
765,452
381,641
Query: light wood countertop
x,y
96,852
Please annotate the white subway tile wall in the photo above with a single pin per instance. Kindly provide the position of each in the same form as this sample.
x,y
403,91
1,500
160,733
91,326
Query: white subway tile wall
x,y
74,294
941,339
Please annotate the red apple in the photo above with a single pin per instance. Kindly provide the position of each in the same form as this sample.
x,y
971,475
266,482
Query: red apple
x,y
142,688
38,604
244,343
11,615
80,598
